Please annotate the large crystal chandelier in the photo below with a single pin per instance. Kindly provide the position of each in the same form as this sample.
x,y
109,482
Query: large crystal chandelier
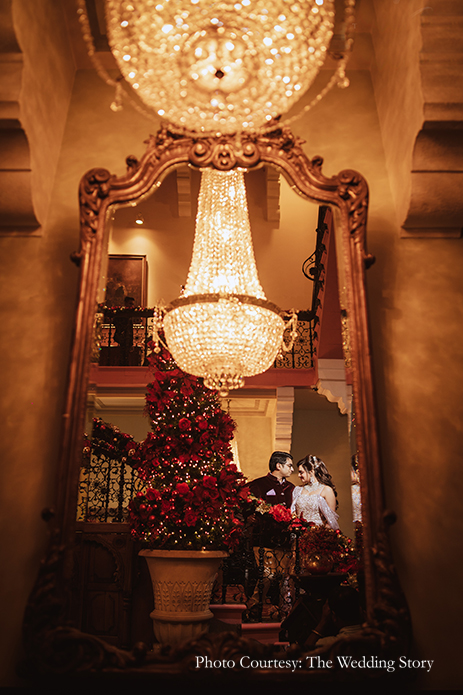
x,y
228,65
222,327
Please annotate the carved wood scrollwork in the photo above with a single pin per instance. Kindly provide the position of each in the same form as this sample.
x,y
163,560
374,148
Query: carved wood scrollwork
x,y
54,648
93,189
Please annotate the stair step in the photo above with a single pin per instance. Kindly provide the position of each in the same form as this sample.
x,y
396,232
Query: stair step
x,y
267,633
228,612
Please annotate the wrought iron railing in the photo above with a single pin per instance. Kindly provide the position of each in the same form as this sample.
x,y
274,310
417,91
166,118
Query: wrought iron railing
x,y
262,578
107,481
302,352
122,336
313,267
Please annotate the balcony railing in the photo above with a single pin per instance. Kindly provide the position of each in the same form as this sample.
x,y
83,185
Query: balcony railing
x,y
122,339
107,481
122,336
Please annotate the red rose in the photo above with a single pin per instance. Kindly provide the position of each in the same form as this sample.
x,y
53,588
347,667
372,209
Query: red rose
x,y
212,493
182,488
166,506
198,491
190,517
212,510
280,513
185,388
210,481
184,424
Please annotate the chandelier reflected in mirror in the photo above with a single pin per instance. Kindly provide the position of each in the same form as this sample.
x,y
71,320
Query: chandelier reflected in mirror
x,y
222,327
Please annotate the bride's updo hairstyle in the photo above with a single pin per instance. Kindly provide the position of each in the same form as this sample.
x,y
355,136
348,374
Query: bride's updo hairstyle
x,y
320,471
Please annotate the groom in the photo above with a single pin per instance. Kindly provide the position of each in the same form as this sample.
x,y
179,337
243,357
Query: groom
x,y
274,487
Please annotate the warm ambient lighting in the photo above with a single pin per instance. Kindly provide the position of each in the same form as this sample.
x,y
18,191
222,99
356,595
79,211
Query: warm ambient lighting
x,y
223,66
222,327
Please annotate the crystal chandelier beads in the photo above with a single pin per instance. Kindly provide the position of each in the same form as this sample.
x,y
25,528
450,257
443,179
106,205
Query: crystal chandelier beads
x,y
223,340
223,257
222,66
222,327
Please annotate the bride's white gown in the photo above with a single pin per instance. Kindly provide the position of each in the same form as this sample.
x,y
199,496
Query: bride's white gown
x,y
308,501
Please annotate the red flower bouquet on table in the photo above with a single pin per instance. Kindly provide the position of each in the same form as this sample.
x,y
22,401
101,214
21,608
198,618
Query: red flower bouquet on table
x,y
325,542
195,495
274,525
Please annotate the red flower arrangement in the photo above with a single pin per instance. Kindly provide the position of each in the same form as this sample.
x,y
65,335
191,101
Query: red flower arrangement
x,y
326,542
108,440
275,525
195,495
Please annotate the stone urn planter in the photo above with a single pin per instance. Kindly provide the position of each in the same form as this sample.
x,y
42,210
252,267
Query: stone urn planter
x,y
182,586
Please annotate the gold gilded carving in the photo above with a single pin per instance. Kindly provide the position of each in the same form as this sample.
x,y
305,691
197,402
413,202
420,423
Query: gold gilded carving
x,y
93,189
345,339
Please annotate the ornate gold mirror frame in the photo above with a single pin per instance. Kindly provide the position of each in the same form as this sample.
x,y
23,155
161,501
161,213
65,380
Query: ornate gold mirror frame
x,y
53,649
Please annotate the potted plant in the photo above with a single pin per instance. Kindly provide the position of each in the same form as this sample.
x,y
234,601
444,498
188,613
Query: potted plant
x,y
190,514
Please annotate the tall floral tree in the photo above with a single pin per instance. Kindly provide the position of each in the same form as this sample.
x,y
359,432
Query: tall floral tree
x,y
195,495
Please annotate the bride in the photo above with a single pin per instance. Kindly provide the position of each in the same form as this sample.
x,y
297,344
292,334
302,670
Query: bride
x,y
315,499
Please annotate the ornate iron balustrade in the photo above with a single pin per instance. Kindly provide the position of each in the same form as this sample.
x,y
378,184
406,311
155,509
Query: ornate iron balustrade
x,y
122,336
107,481
262,578
302,353
138,323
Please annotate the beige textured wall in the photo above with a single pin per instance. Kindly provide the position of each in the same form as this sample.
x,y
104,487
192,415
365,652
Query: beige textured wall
x,y
165,238
418,351
396,77
47,81
417,311
39,295
254,436
37,300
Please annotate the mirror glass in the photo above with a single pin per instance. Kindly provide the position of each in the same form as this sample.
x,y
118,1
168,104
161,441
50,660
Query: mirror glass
x,y
302,405
303,410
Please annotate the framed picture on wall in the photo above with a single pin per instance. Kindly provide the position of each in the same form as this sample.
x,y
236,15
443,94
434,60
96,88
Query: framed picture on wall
x,y
127,277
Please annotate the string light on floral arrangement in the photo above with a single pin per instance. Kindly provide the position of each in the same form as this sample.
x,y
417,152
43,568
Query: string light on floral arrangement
x,y
194,494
